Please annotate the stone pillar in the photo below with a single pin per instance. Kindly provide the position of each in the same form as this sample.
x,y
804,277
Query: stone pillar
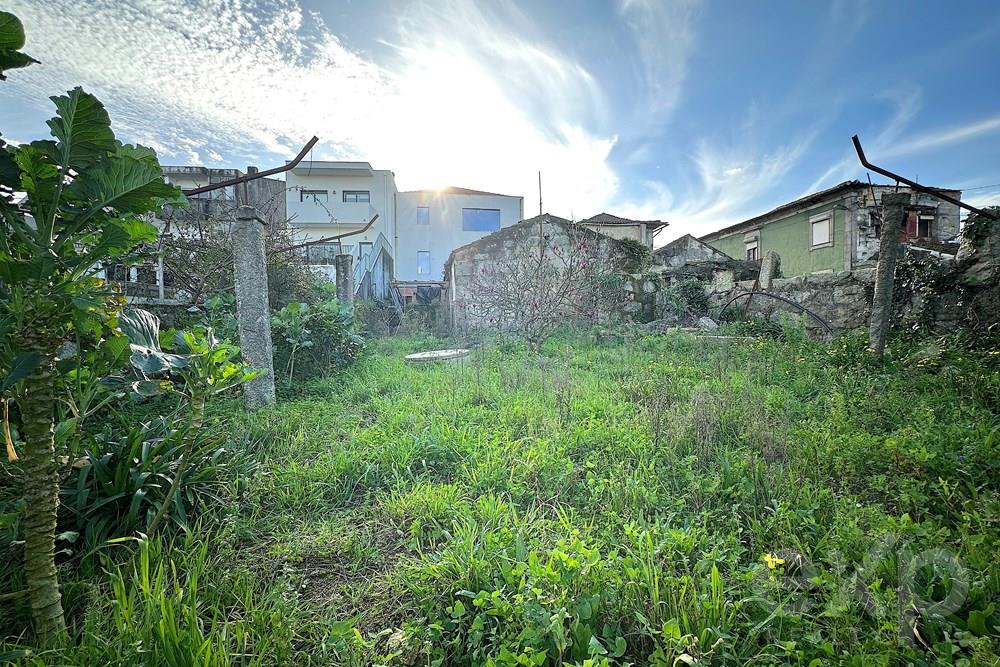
x,y
252,310
893,210
344,266
769,267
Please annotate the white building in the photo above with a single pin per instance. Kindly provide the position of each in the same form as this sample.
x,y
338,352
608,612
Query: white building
x,y
327,200
413,234
432,223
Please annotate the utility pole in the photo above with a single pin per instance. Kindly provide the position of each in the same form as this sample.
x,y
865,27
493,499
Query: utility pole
x,y
539,192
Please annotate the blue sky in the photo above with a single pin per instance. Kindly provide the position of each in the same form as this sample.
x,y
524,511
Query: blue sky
x,y
697,112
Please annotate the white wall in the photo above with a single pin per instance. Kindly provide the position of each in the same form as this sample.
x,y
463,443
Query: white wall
x,y
333,217
444,233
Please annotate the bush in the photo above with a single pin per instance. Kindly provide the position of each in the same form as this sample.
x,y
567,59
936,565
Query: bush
x,y
311,341
687,299
115,489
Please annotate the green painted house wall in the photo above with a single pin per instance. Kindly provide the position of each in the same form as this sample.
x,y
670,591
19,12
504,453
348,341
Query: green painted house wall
x,y
790,237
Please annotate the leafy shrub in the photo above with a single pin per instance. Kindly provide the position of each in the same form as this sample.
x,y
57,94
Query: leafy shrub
x,y
636,256
311,341
116,488
686,298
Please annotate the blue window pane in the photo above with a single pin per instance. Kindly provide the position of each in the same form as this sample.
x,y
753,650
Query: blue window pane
x,y
423,262
423,215
480,219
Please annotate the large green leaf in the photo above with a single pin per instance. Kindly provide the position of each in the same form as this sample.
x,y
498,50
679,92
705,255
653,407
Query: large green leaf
x,y
12,39
22,367
129,180
11,32
143,331
9,173
82,130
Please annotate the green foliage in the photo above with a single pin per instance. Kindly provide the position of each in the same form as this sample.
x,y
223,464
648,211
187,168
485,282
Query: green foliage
x,y
662,502
11,40
314,340
686,298
114,490
636,256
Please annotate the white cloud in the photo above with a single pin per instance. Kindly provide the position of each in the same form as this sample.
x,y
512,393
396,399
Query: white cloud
x,y
197,81
665,38
945,137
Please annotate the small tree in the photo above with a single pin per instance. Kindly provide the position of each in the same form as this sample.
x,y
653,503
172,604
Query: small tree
x,y
570,274
66,207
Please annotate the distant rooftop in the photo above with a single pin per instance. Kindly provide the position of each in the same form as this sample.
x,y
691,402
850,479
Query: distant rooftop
x,y
608,219
329,168
452,190
808,200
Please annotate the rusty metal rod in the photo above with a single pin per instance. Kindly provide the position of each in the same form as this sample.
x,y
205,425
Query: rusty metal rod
x,y
253,177
327,239
801,308
913,184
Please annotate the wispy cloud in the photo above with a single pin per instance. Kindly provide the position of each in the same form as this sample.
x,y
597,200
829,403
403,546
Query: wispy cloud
x,y
945,137
906,103
664,34
203,81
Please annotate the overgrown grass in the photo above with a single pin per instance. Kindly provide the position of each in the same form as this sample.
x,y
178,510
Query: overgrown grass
x,y
663,500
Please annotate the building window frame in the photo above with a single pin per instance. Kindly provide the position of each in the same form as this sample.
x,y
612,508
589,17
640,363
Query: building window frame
x,y
423,268
751,249
315,195
820,218
357,196
424,216
472,219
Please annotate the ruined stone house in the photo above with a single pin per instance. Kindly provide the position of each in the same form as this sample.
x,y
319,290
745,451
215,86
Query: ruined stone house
x,y
544,266
836,229
643,231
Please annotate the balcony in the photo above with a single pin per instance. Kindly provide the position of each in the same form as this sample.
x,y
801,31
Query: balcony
x,y
320,212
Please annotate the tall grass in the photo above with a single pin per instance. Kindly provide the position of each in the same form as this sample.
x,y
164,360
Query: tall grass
x,y
660,501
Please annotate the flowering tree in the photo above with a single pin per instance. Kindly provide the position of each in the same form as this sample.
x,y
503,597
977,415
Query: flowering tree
x,y
549,274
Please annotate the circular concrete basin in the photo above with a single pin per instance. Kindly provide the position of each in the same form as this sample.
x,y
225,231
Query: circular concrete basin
x,y
447,356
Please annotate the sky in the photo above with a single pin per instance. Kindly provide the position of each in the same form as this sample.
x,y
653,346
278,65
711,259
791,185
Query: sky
x,y
696,112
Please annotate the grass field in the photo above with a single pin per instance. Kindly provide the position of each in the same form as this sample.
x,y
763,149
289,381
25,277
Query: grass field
x,y
656,501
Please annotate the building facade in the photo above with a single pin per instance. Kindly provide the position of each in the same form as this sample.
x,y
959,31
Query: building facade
x,y
432,223
643,231
327,200
834,230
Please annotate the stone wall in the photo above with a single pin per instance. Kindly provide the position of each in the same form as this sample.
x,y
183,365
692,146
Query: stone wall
x,y
842,298
539,269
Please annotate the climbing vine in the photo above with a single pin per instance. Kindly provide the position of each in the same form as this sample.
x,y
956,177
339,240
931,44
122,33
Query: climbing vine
x,y
922,280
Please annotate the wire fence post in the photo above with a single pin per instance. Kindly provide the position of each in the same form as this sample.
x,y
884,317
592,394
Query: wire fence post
x,y
252,309
893,210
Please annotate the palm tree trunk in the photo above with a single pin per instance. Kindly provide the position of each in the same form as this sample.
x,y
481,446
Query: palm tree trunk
x,y
190,438
41,496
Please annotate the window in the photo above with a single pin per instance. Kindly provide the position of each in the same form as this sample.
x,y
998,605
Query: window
x,y
480,219
314,195
357,197
321,254
424,262
918,224
820,232
423,215
752,252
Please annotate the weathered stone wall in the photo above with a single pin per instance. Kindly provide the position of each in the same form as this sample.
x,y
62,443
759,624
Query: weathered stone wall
x,y
478,272
842,298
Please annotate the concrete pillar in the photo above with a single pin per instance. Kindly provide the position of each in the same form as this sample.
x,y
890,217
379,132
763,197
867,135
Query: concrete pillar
x,y
893,210
252,310
344,266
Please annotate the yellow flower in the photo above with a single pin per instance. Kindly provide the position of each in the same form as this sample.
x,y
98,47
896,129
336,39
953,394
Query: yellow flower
x,y
773,561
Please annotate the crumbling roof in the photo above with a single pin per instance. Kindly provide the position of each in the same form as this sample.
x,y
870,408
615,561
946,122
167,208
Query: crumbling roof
x,y
609,219
544,218
452,190
687,238
808,200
